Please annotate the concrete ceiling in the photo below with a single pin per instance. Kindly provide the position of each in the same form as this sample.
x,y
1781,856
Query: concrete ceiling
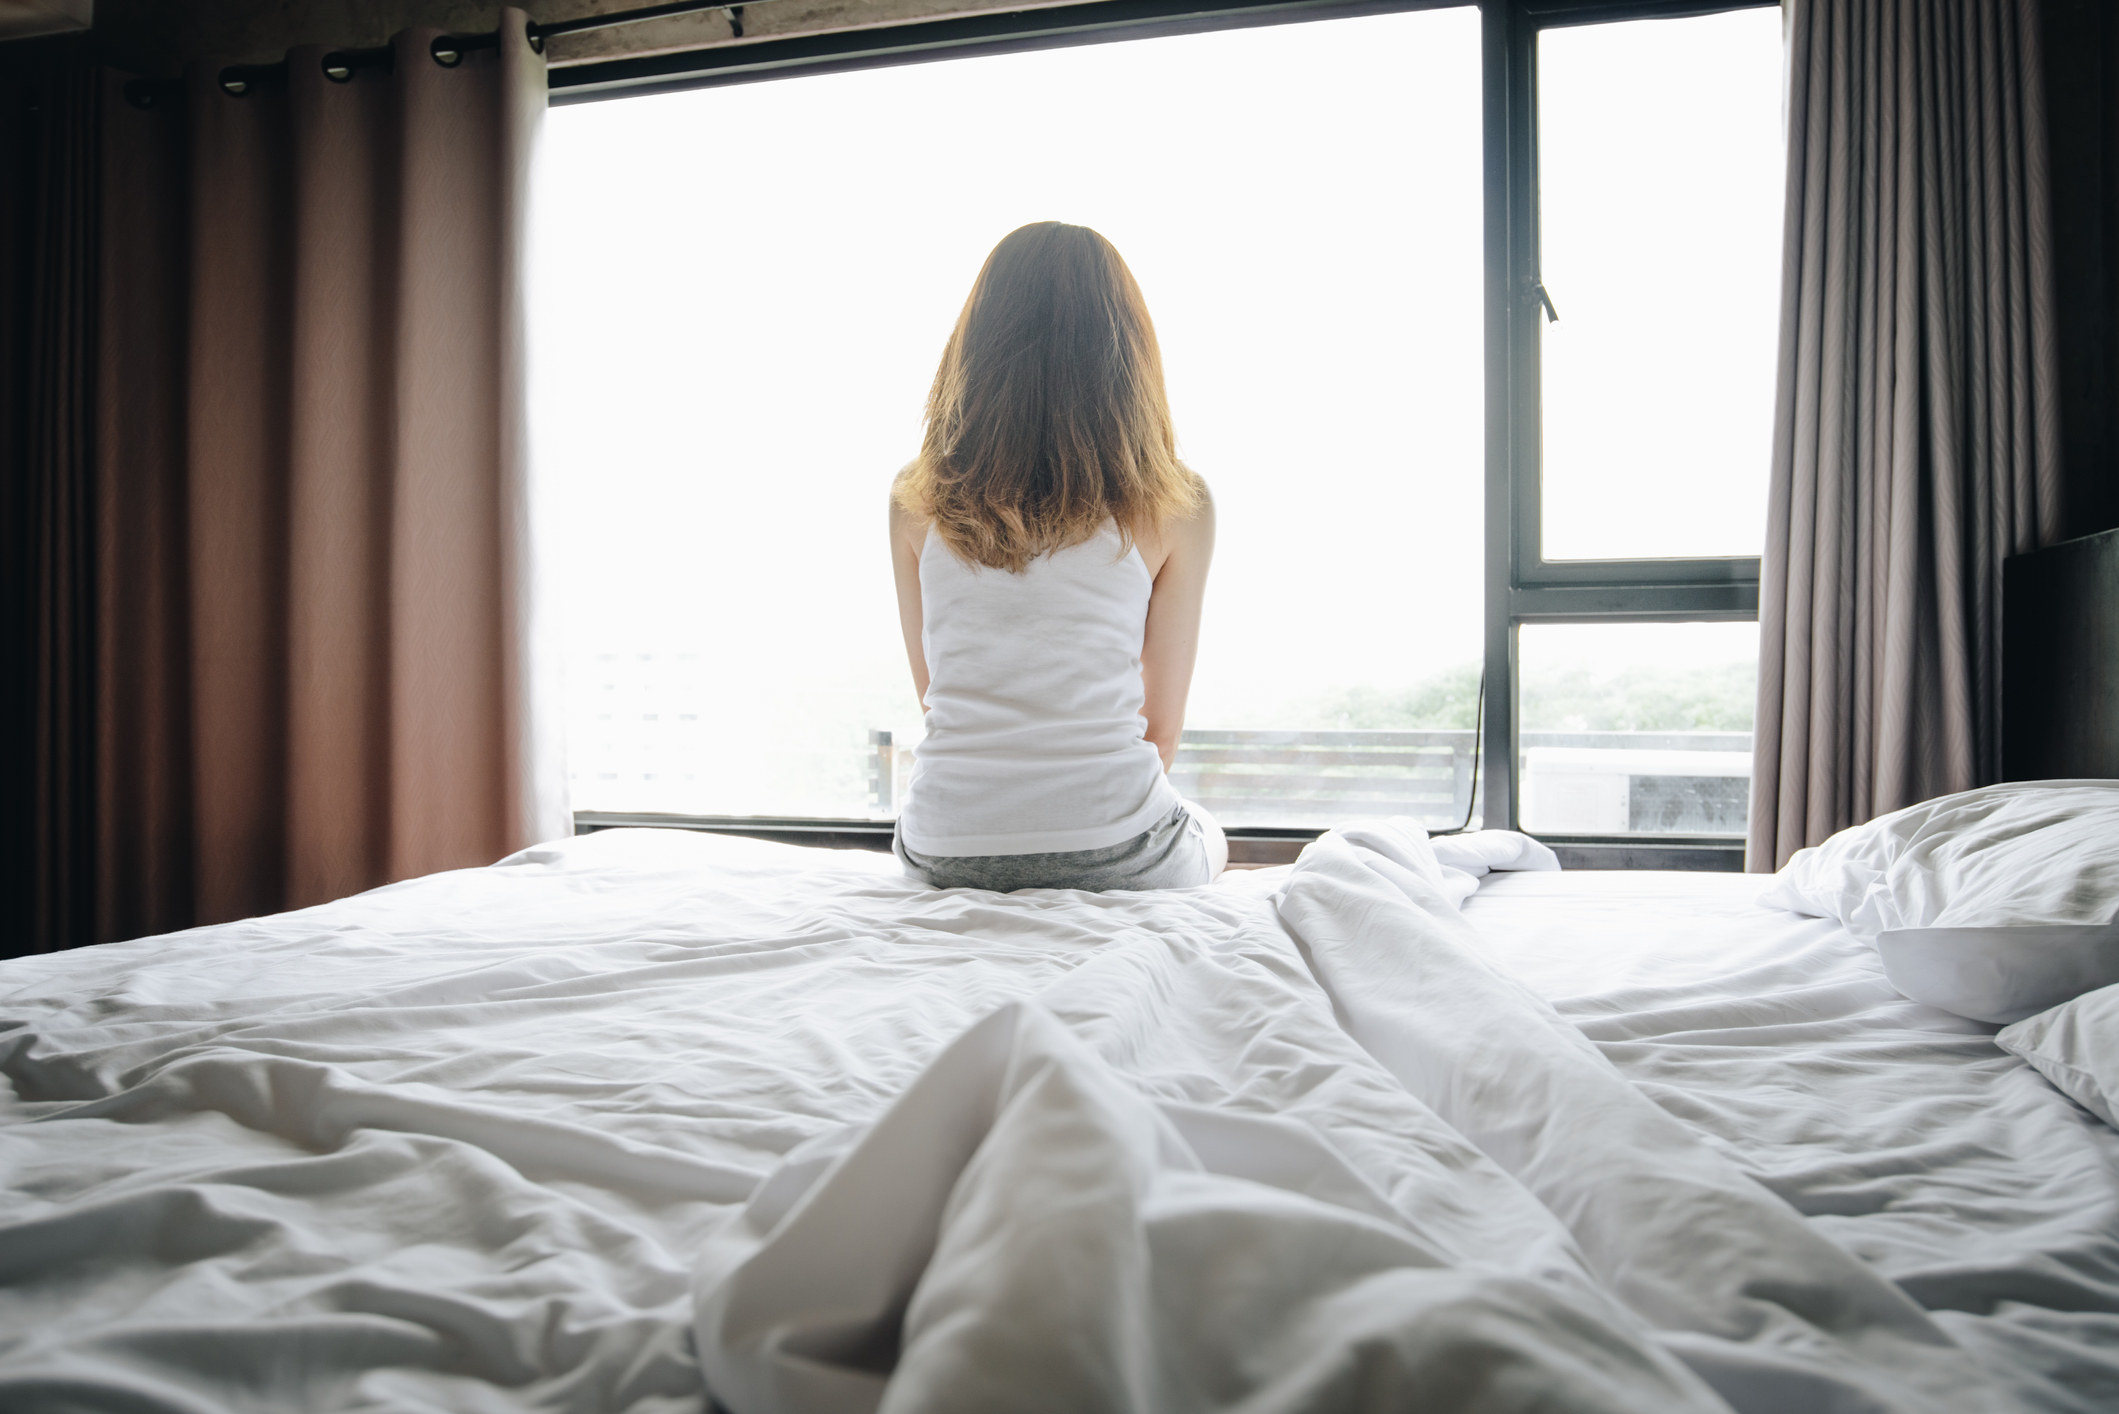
x,y
22,19
766,19
162,36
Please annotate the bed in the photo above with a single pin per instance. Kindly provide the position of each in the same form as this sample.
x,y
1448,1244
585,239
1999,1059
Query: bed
x,y
638,1114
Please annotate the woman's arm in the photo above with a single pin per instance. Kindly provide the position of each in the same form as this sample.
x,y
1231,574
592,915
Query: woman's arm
x,y
1171,643
906,535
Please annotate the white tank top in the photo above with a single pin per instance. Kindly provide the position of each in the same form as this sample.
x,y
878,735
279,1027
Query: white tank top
x,y
1035,738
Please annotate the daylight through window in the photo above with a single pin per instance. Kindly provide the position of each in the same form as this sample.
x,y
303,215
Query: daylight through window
x,y
739,294
723,403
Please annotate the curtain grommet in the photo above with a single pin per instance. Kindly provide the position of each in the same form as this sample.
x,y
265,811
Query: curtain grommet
x,y
447,51
344,65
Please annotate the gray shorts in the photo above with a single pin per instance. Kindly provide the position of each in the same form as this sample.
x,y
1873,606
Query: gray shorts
x,y
1178,851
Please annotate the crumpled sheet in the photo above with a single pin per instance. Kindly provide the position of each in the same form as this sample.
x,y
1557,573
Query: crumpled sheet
x,y
1897,1130
459,1144
1024,1229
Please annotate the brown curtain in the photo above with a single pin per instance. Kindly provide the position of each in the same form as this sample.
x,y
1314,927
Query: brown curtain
x,y
305,636
48,238
1916,433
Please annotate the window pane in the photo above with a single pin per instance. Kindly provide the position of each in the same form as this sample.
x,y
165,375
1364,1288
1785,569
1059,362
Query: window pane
x,y
740,297
1638,729
1659,166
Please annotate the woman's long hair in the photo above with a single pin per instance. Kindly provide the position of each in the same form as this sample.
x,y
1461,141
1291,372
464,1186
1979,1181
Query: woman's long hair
x,y
1048,416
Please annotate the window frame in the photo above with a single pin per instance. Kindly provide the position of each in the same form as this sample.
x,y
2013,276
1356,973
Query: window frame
x,y
960,37
1520,585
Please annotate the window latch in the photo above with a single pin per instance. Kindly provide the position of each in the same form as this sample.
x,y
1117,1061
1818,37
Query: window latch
x,y
1537,288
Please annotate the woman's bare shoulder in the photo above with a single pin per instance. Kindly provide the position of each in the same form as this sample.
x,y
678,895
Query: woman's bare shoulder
x,y
906,524
1186,534
1203,514
1194,529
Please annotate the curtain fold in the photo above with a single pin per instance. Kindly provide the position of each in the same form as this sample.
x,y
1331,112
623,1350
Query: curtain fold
x,y
48,234
1916,431
305,636
145,849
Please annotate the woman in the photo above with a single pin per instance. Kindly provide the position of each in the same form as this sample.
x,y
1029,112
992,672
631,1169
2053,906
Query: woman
x,y
1051,558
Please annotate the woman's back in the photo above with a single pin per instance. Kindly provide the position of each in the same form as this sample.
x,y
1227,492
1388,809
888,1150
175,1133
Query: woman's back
x,y
1050,553
1036,740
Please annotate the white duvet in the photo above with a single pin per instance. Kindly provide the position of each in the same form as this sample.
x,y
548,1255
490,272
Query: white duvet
x,y
501,1139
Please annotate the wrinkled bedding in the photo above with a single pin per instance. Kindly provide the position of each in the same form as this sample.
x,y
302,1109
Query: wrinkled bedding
x,y
1899,1130
500,1139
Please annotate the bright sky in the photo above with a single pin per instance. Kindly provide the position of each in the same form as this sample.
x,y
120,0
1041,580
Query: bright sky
x,y
740,294
1659,161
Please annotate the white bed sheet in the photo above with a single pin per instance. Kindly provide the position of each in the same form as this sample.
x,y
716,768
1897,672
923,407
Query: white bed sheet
x,y
1899,1129
455,1144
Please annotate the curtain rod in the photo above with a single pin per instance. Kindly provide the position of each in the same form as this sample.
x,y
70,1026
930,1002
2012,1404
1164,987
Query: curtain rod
x,y
448,50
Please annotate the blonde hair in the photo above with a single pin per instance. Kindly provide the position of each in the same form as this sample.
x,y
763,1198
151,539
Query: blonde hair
x,y
1048,415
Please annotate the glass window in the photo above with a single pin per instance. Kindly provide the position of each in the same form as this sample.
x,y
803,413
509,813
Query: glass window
x,y
1660,160
1636,729
739,297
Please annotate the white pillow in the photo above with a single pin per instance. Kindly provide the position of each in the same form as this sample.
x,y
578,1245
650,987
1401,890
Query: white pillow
x,y
2076,1046
1994,903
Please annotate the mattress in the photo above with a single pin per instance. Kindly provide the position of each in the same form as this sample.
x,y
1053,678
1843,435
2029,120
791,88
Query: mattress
x,y
460,1143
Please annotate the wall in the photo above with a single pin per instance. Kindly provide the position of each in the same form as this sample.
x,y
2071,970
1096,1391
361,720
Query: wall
x,y
2082,119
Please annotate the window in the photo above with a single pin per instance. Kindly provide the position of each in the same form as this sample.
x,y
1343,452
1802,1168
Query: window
x,y
1640,299
748,289
740,290
1659,241
1636,729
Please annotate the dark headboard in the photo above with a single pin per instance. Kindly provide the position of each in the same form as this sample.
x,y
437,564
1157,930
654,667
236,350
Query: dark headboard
x,y
2060,661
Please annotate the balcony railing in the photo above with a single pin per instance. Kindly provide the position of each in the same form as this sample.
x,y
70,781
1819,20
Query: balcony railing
x,y
1310,778
1573,783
